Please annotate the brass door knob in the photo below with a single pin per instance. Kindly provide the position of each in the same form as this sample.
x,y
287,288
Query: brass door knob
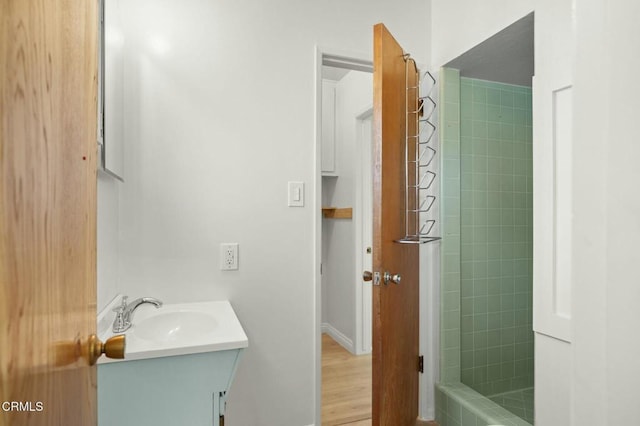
x,y
367,276
112,348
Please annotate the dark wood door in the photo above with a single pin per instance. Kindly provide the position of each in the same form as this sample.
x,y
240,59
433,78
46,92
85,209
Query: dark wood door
x,y
48,87
395,306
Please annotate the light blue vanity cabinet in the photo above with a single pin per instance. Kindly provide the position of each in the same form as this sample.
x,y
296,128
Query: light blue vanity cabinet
x,y
180,361
174,390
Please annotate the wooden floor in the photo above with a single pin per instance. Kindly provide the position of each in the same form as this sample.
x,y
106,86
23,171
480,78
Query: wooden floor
x,y
346,386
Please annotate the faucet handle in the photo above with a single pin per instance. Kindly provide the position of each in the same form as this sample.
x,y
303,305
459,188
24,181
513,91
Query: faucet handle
x,y
118,322
120,309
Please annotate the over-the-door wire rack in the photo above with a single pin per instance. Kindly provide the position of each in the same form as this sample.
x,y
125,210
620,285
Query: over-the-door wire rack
x,y
419,156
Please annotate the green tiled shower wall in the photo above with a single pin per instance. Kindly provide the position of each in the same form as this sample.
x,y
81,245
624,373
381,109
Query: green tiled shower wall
x,y
486,288
496,246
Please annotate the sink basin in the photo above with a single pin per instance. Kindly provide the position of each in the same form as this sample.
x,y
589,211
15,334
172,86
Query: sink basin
x,y
175,326
176,329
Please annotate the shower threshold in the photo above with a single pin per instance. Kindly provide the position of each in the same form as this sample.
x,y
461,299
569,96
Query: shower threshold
x,y
519,402
459,405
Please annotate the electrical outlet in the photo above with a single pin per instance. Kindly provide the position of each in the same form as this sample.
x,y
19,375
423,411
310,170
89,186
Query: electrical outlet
x,y
229,256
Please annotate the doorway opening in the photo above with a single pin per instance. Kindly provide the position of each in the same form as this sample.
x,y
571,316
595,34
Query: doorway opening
x,y
487,354
345,236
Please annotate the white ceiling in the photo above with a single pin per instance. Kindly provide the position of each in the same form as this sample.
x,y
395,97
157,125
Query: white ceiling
x,y
506,57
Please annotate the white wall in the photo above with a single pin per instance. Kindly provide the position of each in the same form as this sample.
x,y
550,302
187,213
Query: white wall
x,y
221,114
354,94
430,321
552,390
606,349
593,379
107,239
552,321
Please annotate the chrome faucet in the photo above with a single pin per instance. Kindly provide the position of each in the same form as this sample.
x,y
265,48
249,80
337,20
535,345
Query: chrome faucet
x,y
124,312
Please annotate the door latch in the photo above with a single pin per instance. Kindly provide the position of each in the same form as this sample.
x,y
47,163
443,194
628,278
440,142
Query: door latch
x,y
376,278
368,276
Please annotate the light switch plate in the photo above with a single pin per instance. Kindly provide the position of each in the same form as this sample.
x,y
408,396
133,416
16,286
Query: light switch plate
x,y
296,194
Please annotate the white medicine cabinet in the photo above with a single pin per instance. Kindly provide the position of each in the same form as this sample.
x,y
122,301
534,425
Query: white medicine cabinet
x,y
111,90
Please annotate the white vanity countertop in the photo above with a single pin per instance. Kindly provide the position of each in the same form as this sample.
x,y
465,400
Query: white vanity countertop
x,y
175,329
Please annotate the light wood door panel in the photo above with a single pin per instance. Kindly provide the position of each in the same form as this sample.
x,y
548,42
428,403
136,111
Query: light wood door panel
x,y
395,306
48,87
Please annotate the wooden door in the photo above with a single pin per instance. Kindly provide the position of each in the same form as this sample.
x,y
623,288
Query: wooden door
x,y
395,306
48,86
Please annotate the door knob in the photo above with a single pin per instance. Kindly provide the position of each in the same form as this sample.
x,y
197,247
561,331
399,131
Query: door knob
x,y
395,278
112,348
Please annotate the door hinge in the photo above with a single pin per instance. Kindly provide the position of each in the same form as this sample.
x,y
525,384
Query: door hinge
x,y
421,363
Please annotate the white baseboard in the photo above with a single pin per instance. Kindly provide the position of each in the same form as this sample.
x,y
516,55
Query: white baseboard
x,y
336,335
